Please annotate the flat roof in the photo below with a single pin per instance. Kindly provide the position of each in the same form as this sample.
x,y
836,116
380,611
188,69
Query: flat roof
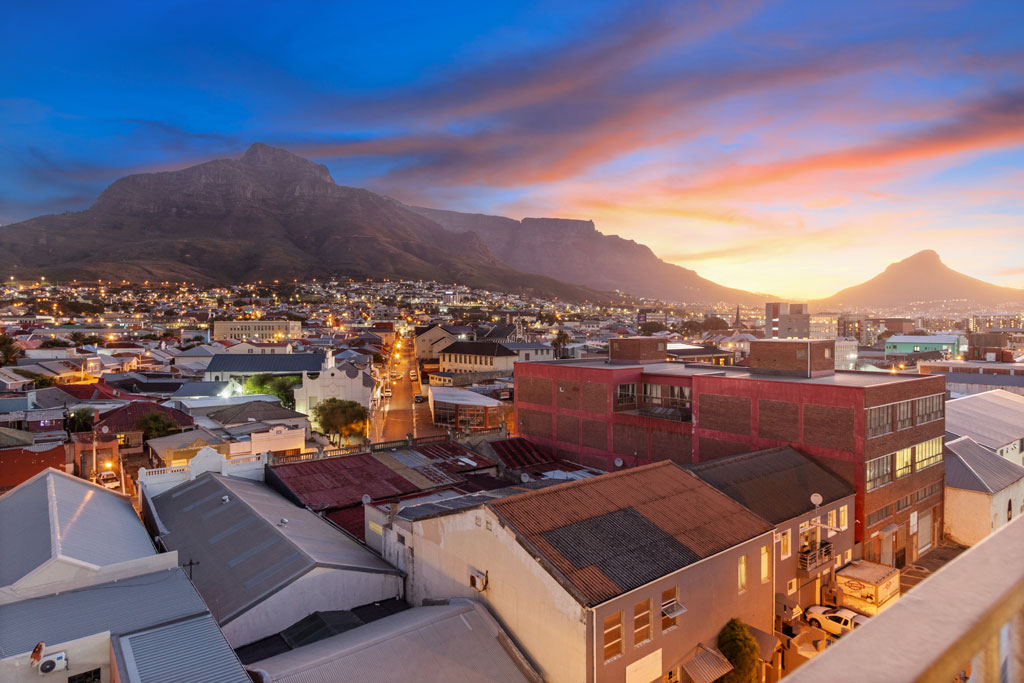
x,y
462,397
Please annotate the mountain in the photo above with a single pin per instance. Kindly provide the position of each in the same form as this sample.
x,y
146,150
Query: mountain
x,y
920,278
269,214
574,250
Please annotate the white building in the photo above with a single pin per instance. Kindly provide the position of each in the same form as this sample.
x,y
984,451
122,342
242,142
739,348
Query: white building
x,y
346,382
266,330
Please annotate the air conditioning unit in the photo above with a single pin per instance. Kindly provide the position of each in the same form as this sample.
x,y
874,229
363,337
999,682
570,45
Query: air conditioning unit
x,y
477,580
55,661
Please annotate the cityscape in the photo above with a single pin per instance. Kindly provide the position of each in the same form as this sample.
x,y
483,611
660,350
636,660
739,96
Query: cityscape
x,y
653,343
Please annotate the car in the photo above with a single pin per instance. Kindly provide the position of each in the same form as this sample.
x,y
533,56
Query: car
x,y
108,480
387,393
412,375
834,620
394,375
419,398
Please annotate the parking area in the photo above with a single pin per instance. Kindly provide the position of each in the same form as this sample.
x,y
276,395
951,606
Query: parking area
x,y
915,573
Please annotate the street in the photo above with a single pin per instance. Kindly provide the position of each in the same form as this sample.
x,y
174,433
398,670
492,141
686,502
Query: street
x,y
398,416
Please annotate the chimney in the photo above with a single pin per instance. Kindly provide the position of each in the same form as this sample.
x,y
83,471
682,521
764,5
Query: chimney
x,y
393,510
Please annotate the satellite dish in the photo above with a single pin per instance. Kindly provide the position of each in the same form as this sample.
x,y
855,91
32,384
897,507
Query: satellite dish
x,y
618,462
524,477
366,499
104,429
816,499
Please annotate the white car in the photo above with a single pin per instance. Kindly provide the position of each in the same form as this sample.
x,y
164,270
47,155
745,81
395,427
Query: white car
x,y
836,621
108,480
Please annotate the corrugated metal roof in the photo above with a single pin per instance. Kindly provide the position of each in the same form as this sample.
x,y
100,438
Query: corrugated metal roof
x,y
992,418
55,513
519,453
973,467
707,665
119,607
776,484
189,650
245,554
444,643
341,482
610,534
271,362
256,411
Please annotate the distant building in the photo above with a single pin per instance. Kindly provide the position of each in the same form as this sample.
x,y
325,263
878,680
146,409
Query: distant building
x,y
264,330
478,356
795,321
224,367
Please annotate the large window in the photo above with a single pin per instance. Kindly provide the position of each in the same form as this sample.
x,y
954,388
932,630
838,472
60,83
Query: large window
x,y
930,408
878,515
879,472
641,622
904,462
879,421
904,415
766,564
741,567
929,490
928,453
625,393
612,636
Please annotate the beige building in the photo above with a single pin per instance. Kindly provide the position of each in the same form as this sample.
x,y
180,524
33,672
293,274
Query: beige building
x,y
264,330
478,356
984,491
622,577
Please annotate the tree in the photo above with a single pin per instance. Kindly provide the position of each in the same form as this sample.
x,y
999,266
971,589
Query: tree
x,y
561,342
715,323
341,418
155,424
80,420
652,327
77,338
281,386
54,344
741,649
9,349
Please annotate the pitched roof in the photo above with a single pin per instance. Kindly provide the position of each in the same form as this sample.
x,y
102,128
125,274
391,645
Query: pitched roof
x,y
270,362
162,444
519,453
253,411
127,417
607,535
973,467
479,348
56,514
199,389
459,641
992,418
983,379
15,437
246,553
500,331
776,484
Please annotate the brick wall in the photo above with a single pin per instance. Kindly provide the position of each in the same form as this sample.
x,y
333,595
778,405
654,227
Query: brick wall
x,y
568,429
534,390
595,434
730,414
829,427
711,448
534,423
595,397
568,393
778,420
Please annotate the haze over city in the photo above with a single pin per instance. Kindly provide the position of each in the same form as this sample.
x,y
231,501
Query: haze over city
x,y
768,147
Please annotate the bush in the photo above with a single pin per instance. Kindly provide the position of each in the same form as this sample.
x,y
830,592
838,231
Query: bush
x,y
740,648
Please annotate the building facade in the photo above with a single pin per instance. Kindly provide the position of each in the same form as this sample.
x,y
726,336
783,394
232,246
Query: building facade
x,y
264,330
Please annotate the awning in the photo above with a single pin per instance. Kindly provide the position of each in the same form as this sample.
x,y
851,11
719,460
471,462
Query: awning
x,y
767,643
707,665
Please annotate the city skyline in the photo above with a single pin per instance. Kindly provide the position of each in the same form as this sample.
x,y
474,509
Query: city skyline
x,y
676,127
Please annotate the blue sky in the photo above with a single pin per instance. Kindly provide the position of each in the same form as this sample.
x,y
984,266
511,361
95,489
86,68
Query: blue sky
x,y
787,147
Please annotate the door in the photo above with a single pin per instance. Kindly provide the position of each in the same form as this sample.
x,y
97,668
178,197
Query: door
x,y
900,547
924,533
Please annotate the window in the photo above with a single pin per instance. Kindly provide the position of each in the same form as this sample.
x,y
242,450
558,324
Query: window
x,y
930,408
904,462
844,518
122,439
612,636
839,561
929,490
831,523
904,415
849,555
928,453
878,515
801,354
786,545
741,567
625,393
766,564
879,472
901,504
879,421
791,587
828,352
669,599
94,676
641,622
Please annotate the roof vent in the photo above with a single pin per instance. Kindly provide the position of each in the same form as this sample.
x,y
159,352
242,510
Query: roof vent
x,y
284,520
225,500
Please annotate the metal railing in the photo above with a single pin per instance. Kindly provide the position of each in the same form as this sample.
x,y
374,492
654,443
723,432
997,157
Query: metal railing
x,y
815,557
968,617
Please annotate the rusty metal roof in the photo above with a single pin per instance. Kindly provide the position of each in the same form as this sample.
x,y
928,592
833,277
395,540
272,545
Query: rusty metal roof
x,y
342,481
607,535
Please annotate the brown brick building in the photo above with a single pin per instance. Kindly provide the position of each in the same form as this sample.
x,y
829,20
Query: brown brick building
x,y
881,433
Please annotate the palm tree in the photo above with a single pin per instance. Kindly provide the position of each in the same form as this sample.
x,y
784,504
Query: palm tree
x,y
560,342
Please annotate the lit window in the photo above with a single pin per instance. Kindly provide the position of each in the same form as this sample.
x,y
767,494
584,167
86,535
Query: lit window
x,y
879,472
928,453
844,521
766,559
832,523
904,463
742,573
641,622
785,549
612,636
849,555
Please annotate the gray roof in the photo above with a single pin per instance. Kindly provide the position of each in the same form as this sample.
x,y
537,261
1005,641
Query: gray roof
x,y
245,554
189,650
776,484
478,348
271,362
438,508
253,411
986,379
180,439
992,418
56,514
973,467
351,371
460,641
200,389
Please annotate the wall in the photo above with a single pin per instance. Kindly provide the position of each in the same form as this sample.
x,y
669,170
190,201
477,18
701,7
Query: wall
x,y
332,383
83,655
970,516
279,440
787,568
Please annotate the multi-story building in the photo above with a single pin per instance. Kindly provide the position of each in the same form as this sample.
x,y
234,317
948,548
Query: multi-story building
x,y
477,356
951,345
881,433
264,330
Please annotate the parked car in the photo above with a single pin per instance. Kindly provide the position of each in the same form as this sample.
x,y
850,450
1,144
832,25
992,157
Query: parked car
x,y
419,398
412,375
836,621
387,392
108,480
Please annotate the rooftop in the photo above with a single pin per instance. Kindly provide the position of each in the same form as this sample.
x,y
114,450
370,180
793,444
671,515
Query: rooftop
x,y
992,418
253,411
269,362
463,397
972,467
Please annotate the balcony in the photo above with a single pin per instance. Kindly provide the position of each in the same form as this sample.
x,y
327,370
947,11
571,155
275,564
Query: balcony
x,y
967,617
812,558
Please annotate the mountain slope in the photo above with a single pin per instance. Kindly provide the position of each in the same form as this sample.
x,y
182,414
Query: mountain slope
x,y
269,214
920,278
574,250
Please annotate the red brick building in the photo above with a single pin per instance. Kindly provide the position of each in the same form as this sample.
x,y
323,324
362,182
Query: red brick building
x,y
882,433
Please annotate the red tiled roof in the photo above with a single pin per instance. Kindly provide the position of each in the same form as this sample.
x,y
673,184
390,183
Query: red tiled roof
x,y
101,390
611,534
342,481
127,417
519,453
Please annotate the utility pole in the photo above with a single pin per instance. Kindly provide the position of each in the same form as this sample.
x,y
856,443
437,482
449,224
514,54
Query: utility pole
x,y
190,564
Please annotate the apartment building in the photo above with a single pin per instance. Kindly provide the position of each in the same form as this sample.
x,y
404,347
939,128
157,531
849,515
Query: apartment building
x,y
264,330
879,432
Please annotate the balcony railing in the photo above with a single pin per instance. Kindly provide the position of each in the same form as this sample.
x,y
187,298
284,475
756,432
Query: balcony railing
x,y
967,617
815,557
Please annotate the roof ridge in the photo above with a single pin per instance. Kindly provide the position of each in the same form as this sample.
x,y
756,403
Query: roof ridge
x,y
977,476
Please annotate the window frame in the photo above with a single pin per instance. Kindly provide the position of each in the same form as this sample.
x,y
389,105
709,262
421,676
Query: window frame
x,y
844,517
669,623
641,610
904,421
873,424
786,544
618,643
831,519
766,564
929,459
907,468
742,578
882,476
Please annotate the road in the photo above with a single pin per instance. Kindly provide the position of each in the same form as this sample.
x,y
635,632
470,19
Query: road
x,y
399,416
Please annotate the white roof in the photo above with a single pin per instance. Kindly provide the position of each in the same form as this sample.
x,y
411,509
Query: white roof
x,y
462,397
991,418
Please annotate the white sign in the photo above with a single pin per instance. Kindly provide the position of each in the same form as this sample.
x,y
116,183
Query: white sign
x,y
913,522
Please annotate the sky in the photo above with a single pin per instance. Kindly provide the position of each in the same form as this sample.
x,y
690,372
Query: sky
x,y
794,148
